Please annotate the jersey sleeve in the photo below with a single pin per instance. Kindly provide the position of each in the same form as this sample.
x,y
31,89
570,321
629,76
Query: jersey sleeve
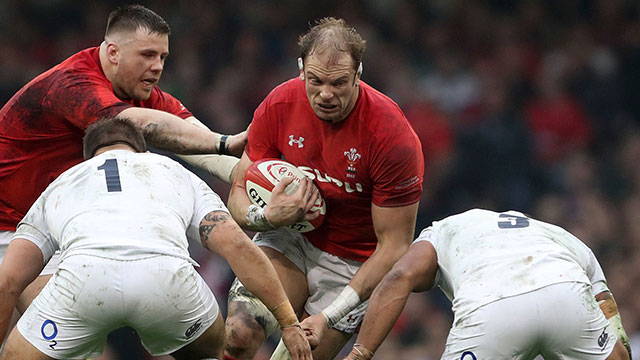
x,y
33,227
263,132
82,99
586,259
206,201
398,170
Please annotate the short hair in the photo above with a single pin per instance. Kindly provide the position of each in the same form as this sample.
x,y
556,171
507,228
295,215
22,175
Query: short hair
x,y
110,131
133,17
332,34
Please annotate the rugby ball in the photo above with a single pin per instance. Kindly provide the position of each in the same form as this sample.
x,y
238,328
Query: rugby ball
x,y
263,175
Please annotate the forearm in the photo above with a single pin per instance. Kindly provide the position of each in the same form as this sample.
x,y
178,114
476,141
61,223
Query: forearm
x,y
8,298
361,285
375,268
610,309
385,306
220,166
170,132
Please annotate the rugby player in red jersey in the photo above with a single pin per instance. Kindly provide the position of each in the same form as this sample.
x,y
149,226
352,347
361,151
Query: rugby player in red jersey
x,y
359,149
42,125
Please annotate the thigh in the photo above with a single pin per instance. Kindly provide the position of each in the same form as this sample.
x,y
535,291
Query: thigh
x,y
293,280
57,323
573,326
208,345
285,250
168,303
18,348
31,291
504,329
327,275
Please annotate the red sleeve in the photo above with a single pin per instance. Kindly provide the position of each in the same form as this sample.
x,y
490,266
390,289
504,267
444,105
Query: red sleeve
x,y
398,170
86,98
83,99
263,132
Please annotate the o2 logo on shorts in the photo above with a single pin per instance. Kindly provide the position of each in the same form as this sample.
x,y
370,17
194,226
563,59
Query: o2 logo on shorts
x,y
49,331
468,355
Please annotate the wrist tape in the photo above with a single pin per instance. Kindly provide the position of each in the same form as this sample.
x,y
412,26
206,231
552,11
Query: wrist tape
x,y
345,302
256,218
285,315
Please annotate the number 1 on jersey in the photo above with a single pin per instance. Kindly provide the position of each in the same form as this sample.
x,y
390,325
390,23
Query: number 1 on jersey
x,y
111,174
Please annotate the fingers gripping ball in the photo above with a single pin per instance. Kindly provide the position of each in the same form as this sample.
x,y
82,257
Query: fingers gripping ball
x,y
263,175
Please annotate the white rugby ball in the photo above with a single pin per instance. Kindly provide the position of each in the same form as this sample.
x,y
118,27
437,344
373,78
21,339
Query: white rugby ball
x,y
263,175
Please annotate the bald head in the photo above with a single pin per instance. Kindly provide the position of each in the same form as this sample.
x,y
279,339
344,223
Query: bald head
x,y
332,37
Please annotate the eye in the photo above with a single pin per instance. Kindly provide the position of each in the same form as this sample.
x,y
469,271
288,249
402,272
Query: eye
x,y
315,81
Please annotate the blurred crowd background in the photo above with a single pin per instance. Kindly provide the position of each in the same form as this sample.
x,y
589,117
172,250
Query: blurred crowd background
x,y
531,105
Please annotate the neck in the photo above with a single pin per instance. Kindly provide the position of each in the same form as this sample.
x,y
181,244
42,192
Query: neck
x,y
117,146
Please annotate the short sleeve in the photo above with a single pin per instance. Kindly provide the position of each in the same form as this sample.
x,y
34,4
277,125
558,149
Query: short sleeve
x,y
34,228
83,99
398,170
206,201
262,132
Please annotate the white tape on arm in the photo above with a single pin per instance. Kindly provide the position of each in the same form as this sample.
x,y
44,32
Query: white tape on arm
x,y
345,302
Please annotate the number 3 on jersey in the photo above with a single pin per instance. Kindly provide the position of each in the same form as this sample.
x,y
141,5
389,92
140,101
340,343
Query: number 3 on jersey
x,y
513,221
112,176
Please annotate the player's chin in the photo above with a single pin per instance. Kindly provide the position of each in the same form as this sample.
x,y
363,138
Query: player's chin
x,y
142,94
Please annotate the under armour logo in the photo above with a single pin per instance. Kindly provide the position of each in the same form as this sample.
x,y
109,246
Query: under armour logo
x,y
352,318
296,141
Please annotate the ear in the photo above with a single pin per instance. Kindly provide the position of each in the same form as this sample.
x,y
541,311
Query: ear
x,y
358,74
301,68
113,53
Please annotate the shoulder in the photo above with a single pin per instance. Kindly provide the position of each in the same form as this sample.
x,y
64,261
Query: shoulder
x,y
291,90
383,115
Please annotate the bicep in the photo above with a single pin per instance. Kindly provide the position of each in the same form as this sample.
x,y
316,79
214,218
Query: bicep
x,y
394,225
217,232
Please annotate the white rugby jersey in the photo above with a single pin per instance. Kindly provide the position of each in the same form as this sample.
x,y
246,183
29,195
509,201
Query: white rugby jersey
x,y
484,256
120,205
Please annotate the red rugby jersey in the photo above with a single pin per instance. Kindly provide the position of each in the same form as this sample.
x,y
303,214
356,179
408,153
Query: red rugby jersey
x,y
373,156
42,125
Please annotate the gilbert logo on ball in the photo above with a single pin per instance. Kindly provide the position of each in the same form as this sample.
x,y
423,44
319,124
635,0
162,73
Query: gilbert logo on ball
x,y
263,175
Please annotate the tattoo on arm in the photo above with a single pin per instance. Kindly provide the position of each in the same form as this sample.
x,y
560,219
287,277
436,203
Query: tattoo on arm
x,y
150,128
212,219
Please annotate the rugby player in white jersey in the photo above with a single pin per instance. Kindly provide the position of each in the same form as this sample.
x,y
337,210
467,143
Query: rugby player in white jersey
x,y
121,220
519,288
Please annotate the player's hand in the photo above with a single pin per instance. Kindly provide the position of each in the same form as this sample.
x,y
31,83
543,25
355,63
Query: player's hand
x,y
286,209
237,143
314,327
296,342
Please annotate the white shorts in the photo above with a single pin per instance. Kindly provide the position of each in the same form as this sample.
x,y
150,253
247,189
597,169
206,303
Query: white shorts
x,y
327,274
162,297
49,268
560,321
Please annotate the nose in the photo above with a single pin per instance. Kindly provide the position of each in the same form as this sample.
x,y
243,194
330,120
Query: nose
x,y
158,64
326,93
